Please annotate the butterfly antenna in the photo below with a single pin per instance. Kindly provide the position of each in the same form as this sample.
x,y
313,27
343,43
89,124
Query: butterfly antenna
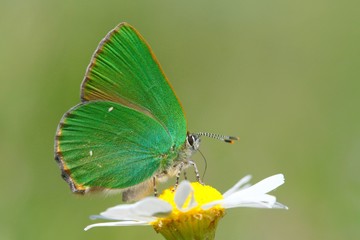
x,y
227,139
202,178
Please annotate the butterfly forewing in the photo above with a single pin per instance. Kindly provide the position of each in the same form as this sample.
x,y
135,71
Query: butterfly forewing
x,y
124,69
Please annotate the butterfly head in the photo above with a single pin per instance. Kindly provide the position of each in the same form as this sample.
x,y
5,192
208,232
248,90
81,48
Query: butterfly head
x,y
193,141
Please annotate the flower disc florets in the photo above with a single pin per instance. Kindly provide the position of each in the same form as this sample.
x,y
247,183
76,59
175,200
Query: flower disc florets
x,y
190,221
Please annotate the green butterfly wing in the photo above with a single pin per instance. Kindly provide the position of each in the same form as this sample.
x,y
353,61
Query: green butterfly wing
x,y
124,69
130,125
107,145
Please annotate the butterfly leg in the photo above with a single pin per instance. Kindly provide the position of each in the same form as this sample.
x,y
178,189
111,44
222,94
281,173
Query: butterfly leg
x,y
185,176
196,171
155,189
181,166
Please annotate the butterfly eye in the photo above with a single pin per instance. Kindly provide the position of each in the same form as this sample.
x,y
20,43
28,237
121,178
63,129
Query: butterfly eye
x,y
191,140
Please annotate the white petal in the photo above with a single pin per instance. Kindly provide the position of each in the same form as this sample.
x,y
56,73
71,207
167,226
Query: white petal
x,y
114,224
258,205
280,206
258,201
254,196
267,185
237,186
151,206
144,210
94,217
120,212
183,191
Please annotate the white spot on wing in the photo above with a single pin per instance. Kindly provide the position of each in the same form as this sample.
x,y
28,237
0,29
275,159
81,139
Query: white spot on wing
x,y
91,153
110,109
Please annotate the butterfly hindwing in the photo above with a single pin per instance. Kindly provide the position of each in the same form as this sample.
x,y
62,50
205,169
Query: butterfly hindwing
x,y
104,144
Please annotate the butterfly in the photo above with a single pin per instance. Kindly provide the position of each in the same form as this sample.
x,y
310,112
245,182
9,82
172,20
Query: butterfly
x,y
129,131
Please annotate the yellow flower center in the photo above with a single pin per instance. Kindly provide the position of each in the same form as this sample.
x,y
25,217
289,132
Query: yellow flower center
x,y
202,193
194,223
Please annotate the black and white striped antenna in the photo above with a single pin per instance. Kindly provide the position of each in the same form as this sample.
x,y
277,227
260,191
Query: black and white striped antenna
x,y
227,139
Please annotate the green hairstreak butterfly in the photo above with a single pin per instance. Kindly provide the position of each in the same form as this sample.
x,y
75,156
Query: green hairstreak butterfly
x,y
129,130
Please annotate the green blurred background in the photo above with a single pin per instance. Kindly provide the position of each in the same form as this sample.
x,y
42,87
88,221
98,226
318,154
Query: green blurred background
x,y
282,75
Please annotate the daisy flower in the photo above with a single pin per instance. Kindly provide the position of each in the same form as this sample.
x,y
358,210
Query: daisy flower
x,y
193,210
